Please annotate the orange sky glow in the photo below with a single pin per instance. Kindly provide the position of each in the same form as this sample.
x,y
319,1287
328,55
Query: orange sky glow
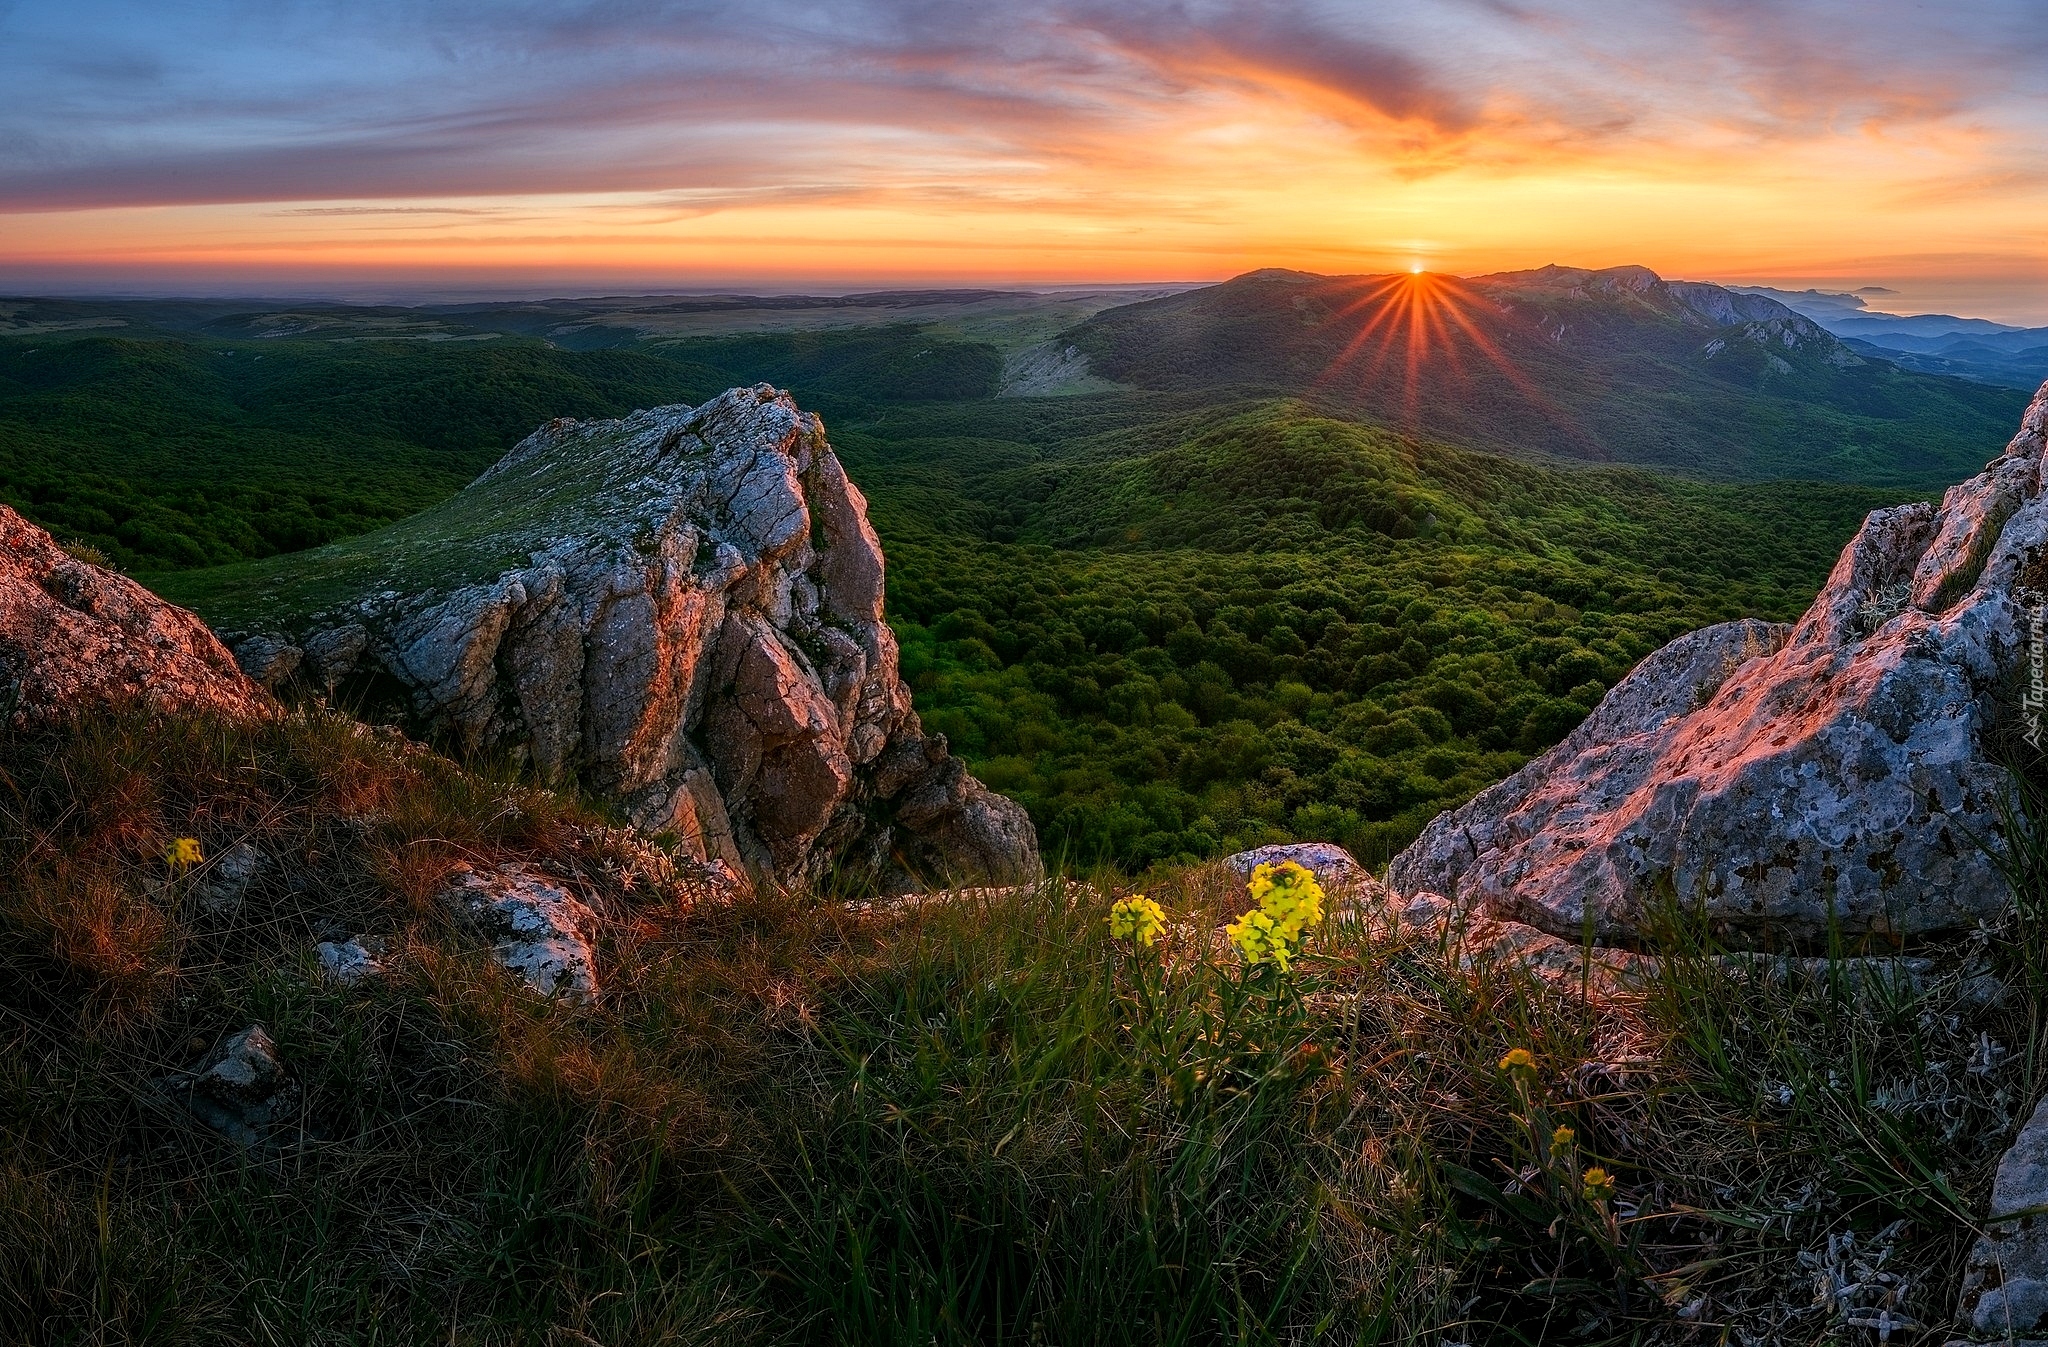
x,y
1719,142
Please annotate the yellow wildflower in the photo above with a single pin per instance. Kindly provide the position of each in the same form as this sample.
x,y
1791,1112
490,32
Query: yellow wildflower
x,y
183,853
1289,894
1519,1061
1599,1185
1562,1137
1137,919
1260,940
1290,902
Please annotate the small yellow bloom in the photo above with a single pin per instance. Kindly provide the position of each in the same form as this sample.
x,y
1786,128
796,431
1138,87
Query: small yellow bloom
x,y
1289,894
1599,1185
1137,919
1562,1137
183,853
1290,902
1259,939
1519,1060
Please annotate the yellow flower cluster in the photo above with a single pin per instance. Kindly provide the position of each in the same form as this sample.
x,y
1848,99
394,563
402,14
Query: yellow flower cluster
x,y
1519,1062
182,853
1137,919
1599,1185
1290,902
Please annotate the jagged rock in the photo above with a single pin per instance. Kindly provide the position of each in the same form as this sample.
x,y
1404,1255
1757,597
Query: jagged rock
x,y
76,638
352,960
226,879
242,1089
1783,781
681,611
268,662
541,932
2007,1274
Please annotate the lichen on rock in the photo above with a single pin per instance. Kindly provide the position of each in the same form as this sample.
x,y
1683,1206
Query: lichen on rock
x,y
680,611
77,639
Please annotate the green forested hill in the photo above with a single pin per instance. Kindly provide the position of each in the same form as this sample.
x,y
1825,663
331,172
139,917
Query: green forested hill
x,y
1614,366
169,452
1170,621
1283,625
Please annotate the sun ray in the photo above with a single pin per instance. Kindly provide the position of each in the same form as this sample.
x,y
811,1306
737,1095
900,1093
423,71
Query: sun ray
x,y
1417,330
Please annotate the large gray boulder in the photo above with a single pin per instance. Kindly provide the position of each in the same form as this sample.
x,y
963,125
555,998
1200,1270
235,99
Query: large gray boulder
x,y
1782,780
680,611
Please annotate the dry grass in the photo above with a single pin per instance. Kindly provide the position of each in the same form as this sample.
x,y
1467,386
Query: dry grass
x,y
789,1120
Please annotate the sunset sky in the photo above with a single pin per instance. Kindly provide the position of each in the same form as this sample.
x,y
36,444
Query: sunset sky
x,y
358,146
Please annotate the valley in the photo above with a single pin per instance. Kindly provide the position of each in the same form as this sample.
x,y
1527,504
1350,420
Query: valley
x,y
1172,621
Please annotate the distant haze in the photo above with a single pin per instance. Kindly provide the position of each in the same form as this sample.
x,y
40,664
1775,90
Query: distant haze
x,y
376,149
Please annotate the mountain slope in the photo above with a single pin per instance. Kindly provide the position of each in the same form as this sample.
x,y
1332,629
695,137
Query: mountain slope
x,y
1614,365
1930,343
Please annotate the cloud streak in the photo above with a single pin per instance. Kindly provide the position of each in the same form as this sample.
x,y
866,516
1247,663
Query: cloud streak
x,y
373,100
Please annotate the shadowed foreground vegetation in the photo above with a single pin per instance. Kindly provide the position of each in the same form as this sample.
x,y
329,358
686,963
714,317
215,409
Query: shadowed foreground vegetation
x,y
973,1120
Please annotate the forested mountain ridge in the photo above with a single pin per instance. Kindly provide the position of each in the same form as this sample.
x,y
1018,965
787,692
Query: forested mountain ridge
x,y
1604,366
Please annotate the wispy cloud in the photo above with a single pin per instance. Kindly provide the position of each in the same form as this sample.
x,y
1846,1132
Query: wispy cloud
x,y
120,104
1104,113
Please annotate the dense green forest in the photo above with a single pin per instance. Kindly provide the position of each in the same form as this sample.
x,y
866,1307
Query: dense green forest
x,y
1287,626
1170,622
167,452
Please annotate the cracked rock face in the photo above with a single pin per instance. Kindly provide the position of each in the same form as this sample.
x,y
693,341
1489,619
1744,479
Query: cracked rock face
x,y
681,611
75,639
1779,779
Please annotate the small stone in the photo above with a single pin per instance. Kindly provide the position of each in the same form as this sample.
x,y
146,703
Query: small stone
x,y
1333,866
350,961
243,1088
267,660
225,883
543,934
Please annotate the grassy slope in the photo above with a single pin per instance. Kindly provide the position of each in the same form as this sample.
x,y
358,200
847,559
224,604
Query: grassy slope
x,y
967,1123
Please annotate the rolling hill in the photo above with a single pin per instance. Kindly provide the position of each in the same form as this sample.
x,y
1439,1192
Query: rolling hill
x,y
1607,366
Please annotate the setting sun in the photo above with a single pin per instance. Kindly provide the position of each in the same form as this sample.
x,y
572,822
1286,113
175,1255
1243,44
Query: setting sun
x,y
351,148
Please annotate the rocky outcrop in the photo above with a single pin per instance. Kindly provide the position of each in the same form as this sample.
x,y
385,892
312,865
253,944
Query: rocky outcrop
x,y
1780,781
681,611
76,638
